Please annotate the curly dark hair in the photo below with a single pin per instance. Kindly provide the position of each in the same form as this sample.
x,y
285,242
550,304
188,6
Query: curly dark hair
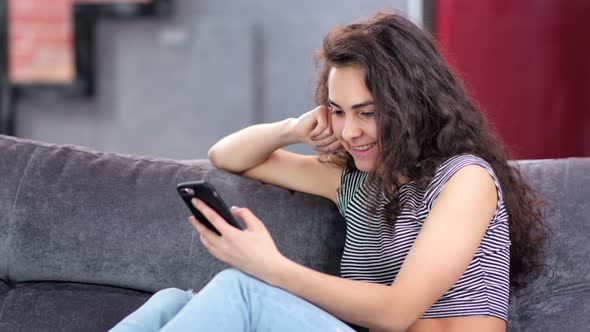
x,y
423,117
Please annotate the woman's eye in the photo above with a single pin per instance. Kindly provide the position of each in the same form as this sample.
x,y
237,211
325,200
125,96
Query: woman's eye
x,y
336,112
367,114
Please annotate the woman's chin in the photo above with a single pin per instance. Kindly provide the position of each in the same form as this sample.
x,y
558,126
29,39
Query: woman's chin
x,y
364,165
365,161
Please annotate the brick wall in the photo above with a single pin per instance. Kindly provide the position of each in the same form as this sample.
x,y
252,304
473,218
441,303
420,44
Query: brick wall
x,y
40,37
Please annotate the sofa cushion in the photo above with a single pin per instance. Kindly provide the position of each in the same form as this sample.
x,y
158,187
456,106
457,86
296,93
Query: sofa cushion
x,y
556,309
51,306
558,299
112,219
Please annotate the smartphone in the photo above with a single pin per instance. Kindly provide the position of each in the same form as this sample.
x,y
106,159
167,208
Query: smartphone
x,y
206,193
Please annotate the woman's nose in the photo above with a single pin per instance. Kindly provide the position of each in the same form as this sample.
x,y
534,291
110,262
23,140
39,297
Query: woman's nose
x,y
351,130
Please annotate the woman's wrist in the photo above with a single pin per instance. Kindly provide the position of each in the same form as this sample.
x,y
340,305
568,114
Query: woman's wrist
x,y
289,131
277,270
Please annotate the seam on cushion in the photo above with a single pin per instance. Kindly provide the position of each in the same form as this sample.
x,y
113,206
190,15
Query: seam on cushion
x,y
4,304
10,219
97,153
129,156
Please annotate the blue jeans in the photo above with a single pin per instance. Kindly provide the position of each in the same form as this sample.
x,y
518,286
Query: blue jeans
x,y
232,301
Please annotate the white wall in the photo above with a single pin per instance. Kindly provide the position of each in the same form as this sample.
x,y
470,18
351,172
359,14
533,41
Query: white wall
x,y
172,87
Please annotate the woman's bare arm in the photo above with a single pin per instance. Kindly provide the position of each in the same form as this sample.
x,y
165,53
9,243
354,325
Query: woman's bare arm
x,y
256,152
251,146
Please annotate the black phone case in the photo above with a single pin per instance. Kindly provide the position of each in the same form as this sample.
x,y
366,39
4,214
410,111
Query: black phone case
x,y
206,193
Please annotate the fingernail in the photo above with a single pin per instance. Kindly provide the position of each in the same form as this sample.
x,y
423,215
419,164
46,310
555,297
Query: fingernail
x,y
195,201
234,207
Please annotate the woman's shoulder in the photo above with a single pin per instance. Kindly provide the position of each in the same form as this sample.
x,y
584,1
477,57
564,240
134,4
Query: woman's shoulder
x,y
449,167
461,160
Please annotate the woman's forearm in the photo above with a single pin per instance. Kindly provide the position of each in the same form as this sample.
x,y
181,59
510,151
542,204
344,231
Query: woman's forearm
x,y
371,305
251,146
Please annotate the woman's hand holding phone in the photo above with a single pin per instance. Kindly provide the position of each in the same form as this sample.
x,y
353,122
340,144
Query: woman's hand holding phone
x,y
251,250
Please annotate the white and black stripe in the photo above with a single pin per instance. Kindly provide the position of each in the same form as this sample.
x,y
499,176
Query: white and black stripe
x,y
375,248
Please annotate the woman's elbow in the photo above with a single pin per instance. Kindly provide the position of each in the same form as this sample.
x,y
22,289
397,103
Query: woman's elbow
x,y
212,156
394,323
217,159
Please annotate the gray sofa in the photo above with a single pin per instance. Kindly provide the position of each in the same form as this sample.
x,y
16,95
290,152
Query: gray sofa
x,y
87,236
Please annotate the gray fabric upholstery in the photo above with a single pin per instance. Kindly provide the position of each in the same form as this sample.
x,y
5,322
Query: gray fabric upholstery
x,y
50,306
559,300
98,221
117,220
15,157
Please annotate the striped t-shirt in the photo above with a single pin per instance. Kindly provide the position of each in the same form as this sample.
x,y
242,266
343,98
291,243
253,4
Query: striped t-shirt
x,y
375,248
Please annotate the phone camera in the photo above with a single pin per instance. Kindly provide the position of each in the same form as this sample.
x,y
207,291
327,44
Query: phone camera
x,y
187,191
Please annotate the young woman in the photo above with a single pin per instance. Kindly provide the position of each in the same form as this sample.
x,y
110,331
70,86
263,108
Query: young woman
x,y
439,225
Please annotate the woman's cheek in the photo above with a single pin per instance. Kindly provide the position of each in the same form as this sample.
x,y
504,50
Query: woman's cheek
x,y
337,130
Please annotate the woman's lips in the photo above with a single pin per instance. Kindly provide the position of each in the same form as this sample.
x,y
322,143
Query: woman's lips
x,y
365,150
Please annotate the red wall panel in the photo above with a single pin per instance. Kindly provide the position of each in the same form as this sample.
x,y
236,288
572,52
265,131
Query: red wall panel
x,y
527,64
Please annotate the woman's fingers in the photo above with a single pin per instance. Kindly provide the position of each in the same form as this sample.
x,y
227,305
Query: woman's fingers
x,y
323,135
334,146
252,222
206,236
325,144
215,219
318,130
315,128
320,114
328,131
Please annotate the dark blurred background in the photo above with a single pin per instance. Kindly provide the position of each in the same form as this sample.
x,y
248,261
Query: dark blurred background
x,y
168,78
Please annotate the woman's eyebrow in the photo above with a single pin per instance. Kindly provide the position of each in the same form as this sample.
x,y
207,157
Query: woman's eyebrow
x,y
355,106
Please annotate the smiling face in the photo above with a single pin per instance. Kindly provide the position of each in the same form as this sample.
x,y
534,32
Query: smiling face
x,y
353,117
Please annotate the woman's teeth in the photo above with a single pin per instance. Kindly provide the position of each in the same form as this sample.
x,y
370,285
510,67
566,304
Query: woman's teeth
x,y
363,147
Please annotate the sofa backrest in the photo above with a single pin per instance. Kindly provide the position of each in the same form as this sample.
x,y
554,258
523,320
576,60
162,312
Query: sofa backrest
x,y
14,159
559,300
73,214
